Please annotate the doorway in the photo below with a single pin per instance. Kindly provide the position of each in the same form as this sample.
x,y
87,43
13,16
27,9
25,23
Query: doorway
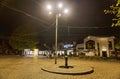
x,y
104,53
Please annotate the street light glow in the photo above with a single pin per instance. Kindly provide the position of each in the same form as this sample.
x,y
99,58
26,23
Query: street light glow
x,y
66,11
60,5
50,13
59,14
49,7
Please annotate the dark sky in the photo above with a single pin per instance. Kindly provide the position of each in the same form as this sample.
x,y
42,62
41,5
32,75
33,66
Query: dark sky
x,y
86,17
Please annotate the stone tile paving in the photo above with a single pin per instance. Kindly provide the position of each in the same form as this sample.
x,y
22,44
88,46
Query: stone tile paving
x,y
30,68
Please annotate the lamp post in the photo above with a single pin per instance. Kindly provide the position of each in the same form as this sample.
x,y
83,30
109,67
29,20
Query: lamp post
x,y
58,12
56,38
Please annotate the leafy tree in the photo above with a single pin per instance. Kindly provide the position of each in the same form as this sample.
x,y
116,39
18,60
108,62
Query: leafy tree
x,y
115,9
24,37
4,47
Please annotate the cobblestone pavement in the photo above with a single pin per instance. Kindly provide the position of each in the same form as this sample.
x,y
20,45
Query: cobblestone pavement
x,y
30,68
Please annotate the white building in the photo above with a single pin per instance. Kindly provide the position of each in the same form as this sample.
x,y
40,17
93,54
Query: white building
x,y
99,46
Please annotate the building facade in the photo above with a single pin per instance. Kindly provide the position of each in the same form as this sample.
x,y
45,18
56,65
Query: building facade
x,y
99,46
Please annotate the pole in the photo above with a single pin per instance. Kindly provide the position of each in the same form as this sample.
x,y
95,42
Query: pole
x,y
66,59
56,38
68,32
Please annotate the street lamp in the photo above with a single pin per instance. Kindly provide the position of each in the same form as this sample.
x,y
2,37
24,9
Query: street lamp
x,y
58,12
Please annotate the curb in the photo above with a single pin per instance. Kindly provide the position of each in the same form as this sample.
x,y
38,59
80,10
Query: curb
x,y
72,73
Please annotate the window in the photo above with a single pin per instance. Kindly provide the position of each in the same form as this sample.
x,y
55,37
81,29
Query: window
x,y
90,44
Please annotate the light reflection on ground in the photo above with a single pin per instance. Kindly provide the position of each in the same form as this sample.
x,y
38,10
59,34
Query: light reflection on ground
x,y
16,67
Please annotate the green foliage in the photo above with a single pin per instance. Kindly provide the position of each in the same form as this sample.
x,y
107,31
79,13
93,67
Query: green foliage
x,y
4,47
24,37
115,9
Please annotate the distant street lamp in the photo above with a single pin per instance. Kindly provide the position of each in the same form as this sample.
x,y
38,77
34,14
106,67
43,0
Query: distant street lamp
x,y
58,12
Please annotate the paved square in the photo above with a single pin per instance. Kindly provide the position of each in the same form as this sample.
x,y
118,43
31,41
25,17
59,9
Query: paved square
x,y
15,67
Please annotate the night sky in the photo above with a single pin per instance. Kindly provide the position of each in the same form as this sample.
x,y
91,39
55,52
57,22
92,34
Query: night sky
x,y
85,17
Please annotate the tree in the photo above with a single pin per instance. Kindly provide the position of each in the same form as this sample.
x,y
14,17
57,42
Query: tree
x,y
4,48
24,37
115,9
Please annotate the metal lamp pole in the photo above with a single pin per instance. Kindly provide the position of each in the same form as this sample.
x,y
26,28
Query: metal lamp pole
x,y
56,38
56,27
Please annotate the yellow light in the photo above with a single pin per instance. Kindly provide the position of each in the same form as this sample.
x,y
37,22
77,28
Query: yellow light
x,y
50,13
66,11
35,52
104,49
49,7
59,14
60,5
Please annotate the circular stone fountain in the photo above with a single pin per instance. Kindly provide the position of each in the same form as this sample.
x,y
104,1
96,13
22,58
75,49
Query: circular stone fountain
x,y
70,70
67,69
